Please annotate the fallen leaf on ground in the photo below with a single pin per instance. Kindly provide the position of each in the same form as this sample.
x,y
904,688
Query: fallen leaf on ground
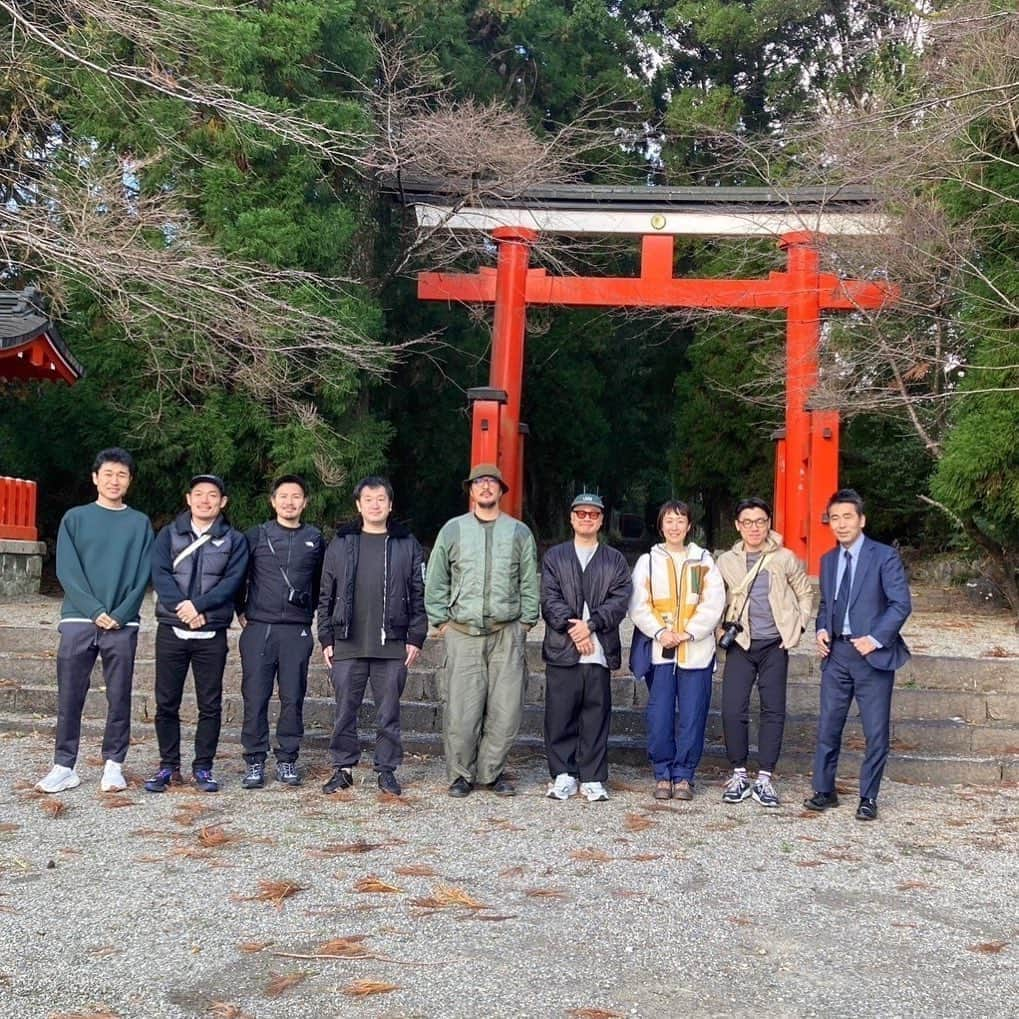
x,y
339,848
989,947
809,863
590,855
282,982
251,947
909,886
102,1013
448,897
593,1013
114,800
8,826
275,892
55,808
546,893
741,921
517,871
644,857
372,883
227,1010
211,837
415,870
362,988
637,822
350,947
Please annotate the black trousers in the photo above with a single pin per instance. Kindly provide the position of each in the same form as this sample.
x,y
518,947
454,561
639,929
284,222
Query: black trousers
x,y
578,708
80,645
274,653
767,663
206,659
388,677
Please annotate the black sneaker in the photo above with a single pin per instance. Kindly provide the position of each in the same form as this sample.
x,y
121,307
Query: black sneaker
x,y
255,777
163,778
822,801
287,773
460,788
867,810
737,789
388,783
204,780
341,779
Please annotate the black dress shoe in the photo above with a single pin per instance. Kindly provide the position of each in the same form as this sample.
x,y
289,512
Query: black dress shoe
x,y
822,801
460,788
341,779
867,810
388,783
502,786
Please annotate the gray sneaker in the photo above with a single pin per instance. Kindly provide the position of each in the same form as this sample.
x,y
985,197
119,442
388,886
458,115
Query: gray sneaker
x,y
737,789
255,776
764,793
287,773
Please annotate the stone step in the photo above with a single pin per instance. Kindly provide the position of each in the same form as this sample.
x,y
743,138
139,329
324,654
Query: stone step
x,y
951,736
909,701
903,766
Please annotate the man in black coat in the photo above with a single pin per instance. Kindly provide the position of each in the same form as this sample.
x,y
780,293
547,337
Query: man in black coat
x,y
585,591
198,566
276,608
371,624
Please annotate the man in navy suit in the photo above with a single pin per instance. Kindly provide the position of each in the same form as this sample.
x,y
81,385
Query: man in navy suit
x,y
864,603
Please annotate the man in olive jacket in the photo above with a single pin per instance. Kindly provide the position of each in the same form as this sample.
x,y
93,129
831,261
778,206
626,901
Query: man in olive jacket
x,y
481,593
585,592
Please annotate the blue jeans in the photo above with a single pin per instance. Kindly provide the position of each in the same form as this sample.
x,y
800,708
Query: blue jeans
x,y
677,714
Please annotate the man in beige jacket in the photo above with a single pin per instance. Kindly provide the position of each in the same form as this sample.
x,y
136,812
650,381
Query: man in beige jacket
x,y
769,603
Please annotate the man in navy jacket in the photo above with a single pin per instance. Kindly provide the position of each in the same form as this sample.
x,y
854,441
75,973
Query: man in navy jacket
x,y
864,604
198,565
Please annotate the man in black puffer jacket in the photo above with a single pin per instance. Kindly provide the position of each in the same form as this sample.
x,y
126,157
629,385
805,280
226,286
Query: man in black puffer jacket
x,y
585,591
198,564
276,608
372,625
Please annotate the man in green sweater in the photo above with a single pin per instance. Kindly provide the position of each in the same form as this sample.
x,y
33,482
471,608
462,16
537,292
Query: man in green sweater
x,y
481,593
103,566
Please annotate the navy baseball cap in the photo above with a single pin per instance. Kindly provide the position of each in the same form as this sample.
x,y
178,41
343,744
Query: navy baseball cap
x,y
208,479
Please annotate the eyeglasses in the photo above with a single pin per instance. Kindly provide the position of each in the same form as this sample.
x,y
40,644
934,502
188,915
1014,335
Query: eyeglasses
x,y
754,525
587,514
486,480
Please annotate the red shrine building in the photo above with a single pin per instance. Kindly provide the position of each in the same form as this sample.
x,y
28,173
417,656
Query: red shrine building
x,y
30,349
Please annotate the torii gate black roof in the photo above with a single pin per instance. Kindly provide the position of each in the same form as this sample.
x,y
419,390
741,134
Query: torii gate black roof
x,y
428,190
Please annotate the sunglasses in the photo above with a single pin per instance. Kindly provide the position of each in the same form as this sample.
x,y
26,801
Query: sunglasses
x,y
587,514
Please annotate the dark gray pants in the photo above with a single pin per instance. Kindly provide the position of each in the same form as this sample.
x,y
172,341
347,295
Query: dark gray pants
x,y
578,707
274,653
388,676
80,645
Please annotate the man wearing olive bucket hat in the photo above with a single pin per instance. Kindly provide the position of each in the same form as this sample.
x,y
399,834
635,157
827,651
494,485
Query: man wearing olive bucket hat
x,y
481,594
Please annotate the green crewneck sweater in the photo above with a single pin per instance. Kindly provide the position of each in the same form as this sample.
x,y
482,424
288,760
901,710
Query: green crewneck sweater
x,y
103,562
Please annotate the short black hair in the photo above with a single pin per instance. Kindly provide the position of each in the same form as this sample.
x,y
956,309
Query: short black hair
x,y
114,455
674,506
847,495
290,479
373,481
754,502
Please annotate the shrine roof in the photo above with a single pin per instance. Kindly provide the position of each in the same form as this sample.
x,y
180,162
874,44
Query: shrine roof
x,y
31,346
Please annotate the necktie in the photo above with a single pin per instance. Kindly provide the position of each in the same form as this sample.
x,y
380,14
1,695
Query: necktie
x,y
842,596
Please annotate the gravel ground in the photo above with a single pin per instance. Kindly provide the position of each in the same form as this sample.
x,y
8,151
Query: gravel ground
x,y
115,907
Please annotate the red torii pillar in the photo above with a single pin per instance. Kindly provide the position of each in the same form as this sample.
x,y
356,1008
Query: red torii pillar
x,y
807,456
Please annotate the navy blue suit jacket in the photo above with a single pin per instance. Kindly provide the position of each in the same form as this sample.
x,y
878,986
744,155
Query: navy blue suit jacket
x,y
879,603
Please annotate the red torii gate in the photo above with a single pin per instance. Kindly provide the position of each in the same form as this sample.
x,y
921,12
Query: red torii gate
x,y
807,455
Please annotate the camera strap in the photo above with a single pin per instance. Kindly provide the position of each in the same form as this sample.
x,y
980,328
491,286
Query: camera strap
x,y
279,565
746,585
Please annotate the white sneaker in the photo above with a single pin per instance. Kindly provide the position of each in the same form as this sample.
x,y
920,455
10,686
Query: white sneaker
x,y
113,778
58,780
594,791
562,788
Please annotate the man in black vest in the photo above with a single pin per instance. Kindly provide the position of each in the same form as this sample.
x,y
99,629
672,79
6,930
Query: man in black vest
x,y
585,592
276,610
198,565
372,625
